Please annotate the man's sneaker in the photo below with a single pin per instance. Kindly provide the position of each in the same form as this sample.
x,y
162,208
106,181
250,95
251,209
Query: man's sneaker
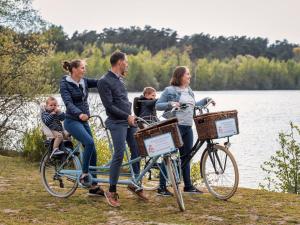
x,y
112,198
192,190
164,192
56,152
138,193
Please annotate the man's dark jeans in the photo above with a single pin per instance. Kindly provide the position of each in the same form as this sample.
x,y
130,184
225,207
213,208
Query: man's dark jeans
x,y
121,133
187,138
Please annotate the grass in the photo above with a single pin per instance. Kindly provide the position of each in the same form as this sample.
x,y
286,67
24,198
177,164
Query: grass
x,y
23,200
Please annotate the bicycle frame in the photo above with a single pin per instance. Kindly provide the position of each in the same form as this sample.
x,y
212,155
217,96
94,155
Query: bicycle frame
x,y
200,143
104,169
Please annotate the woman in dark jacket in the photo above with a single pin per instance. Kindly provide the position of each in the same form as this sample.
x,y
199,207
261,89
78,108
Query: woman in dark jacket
x,y
74,92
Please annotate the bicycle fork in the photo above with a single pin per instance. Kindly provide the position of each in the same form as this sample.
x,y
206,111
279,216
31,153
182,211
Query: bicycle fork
x,y
214,158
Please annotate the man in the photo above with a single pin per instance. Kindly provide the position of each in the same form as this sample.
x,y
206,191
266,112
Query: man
x,y
120,122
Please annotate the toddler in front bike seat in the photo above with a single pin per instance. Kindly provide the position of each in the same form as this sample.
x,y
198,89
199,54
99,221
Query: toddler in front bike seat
x,y
52,117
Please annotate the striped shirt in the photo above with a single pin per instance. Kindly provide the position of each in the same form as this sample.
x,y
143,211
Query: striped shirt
x,y
53,121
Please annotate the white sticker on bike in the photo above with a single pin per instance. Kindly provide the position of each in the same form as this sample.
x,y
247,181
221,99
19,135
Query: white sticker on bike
x,y
159,145
226,127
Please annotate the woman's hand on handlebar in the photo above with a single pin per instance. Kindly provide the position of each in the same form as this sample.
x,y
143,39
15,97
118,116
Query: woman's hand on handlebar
x,y
175,104
83,117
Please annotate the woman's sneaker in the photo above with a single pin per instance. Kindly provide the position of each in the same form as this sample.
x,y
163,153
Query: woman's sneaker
x,y
192,190
163,191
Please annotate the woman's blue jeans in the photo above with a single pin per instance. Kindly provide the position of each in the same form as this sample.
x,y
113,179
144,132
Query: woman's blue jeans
x,y
187,138
81,131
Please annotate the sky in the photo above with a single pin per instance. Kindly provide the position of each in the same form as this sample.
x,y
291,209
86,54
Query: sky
x,y
272,19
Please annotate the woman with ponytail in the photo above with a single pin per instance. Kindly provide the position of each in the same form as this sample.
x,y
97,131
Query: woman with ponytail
x,y
74,92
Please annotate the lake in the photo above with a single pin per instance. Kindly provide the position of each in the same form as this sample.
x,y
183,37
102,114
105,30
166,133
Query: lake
x,y
262,115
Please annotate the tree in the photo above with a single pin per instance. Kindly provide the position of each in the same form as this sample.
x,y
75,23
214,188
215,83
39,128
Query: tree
x,y
19,15
281,50
23,68
296,52
57,37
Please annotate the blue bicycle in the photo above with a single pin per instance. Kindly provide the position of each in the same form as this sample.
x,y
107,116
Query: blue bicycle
x,y
60,174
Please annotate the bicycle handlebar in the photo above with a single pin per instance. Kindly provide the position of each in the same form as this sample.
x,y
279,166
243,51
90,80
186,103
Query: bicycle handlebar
x,y
181,107
100,118
204,107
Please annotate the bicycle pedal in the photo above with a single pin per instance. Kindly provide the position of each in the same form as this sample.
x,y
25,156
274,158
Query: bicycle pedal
x,y
61,184
86,182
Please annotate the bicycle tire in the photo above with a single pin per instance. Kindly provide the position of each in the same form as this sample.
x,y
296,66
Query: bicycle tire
x,y
50,181
174,183
222,192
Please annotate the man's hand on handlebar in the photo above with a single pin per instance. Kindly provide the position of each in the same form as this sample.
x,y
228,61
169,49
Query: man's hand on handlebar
x,y
131,120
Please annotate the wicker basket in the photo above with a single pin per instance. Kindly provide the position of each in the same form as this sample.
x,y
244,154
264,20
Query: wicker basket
x,y
167,126
206,124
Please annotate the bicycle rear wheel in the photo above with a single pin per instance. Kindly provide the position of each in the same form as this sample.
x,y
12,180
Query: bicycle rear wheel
x,y
174,179
220,172
55,183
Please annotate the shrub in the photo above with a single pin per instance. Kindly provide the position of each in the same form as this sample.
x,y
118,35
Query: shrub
x,y
103,151
33,144
283,169
195,173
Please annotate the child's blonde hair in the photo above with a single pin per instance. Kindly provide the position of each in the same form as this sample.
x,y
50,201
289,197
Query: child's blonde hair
x,y
50,98
148,90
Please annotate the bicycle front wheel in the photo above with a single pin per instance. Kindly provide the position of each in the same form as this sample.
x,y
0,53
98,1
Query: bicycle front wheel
x,y
174,179
57,184
220,172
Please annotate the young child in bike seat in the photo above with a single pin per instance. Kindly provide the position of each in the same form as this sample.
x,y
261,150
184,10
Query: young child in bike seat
x,y
147,104
52,117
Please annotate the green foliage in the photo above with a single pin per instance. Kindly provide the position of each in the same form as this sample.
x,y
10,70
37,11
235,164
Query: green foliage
x,y
55,70
20,15
23,74
134,39
33,144
103,151
296,52
195,173
283,169
146,69
23,71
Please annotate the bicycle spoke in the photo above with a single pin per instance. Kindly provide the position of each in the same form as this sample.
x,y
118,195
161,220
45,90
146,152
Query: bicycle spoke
x,y
220,172
59,185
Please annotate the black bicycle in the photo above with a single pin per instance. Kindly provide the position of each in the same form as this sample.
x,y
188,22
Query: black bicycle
x,y
218,167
